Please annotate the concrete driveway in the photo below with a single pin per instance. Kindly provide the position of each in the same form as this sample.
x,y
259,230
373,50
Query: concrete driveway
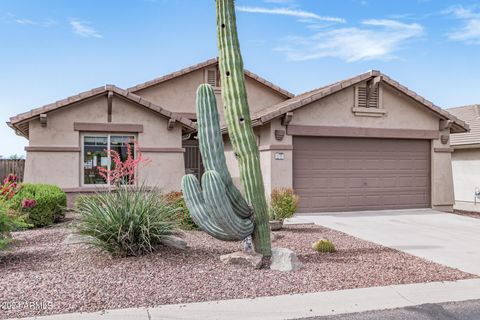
x,y
444,238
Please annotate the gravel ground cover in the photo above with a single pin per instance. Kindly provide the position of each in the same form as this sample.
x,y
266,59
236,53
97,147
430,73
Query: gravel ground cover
x,y
40,268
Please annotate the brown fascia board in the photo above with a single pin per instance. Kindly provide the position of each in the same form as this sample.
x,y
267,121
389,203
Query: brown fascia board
x,y
172,75
459,125
28,116
280,109
56,105
206,64
268,84
18,131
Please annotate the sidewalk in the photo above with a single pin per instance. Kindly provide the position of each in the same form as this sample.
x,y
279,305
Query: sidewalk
x,y
298,305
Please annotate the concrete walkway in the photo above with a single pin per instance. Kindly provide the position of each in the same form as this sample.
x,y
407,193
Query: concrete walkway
x,y
448,239
298,305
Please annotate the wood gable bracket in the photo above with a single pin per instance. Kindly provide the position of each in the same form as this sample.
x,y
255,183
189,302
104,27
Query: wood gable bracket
x,y
109,105
43,119
287,118
445,124
171,123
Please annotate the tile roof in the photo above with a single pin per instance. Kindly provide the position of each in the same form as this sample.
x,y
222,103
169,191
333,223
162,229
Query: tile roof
x,y
205,64
471,115
303,99
20,122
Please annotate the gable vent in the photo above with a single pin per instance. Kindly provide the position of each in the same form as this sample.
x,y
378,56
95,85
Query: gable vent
x,y
211,77
367,97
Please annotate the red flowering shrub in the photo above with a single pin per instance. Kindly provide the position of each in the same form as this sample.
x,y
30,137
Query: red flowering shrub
x,y
9,188
29,203
123,171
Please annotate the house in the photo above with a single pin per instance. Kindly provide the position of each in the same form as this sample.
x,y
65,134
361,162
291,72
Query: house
x,y
365,143
466,154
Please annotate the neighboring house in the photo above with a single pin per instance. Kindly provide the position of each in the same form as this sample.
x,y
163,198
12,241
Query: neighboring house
x,y
466,154
365,143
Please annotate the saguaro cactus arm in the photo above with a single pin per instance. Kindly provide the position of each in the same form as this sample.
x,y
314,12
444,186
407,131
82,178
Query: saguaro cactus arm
x,y
239,122
219,209
212,149
200,211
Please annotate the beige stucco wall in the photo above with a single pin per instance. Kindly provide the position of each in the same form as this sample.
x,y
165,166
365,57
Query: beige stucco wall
x,y
64,168
336,110
276,173
178,94
442,176
165,169
466,173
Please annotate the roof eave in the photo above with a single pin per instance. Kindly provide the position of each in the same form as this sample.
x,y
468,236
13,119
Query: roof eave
x,y
17,130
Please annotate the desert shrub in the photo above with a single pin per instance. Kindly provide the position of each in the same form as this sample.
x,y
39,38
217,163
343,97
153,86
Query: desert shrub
x,y
9,222
183,218
82,198
323,245
126,222
43,204
283,203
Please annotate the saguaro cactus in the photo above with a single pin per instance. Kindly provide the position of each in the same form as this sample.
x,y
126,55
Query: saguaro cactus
x,y
219,209
228,220
237,114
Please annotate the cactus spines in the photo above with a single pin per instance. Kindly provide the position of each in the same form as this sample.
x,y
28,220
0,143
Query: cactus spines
x,y
211,146
219,209
239,123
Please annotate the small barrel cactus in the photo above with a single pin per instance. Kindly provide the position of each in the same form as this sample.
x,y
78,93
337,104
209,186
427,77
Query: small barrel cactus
x,y
323,245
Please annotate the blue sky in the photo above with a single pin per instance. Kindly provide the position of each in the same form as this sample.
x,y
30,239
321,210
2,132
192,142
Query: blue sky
x,y
52,49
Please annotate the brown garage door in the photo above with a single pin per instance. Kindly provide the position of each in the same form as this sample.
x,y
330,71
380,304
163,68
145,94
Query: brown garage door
x,y
348,174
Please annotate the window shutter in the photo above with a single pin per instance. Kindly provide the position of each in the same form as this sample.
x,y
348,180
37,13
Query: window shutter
x,y
212,77
367,102
362,97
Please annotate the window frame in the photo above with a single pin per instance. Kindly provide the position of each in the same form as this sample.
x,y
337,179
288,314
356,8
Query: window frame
x,y
82,153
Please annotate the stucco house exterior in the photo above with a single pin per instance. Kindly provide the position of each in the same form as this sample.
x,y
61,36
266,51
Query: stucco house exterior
x,y
466,154
364,143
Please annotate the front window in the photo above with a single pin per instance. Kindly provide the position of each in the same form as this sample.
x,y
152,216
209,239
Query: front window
x,y
96,153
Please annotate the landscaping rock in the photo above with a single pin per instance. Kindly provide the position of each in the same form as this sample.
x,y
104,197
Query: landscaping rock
x,y
284,259
276,225
74,238
174,242
275,236
243,258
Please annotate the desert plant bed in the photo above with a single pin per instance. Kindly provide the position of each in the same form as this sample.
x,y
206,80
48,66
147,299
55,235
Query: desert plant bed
x,y
70,277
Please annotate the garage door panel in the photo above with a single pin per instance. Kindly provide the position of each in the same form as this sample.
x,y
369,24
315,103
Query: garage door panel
x,y
336,174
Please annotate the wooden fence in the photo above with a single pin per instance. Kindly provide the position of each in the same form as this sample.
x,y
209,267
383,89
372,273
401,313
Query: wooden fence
x,y
11,166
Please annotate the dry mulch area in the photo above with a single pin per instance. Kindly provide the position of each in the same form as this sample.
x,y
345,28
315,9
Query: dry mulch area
x,y
73,277
470,214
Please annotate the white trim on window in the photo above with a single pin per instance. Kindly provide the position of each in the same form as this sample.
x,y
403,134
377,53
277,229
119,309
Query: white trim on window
x,y
82,153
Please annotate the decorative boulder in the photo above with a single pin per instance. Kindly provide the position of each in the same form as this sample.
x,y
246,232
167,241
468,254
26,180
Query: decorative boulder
x,y
244,259
284,259
276,225
74,238
174,242
274,236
